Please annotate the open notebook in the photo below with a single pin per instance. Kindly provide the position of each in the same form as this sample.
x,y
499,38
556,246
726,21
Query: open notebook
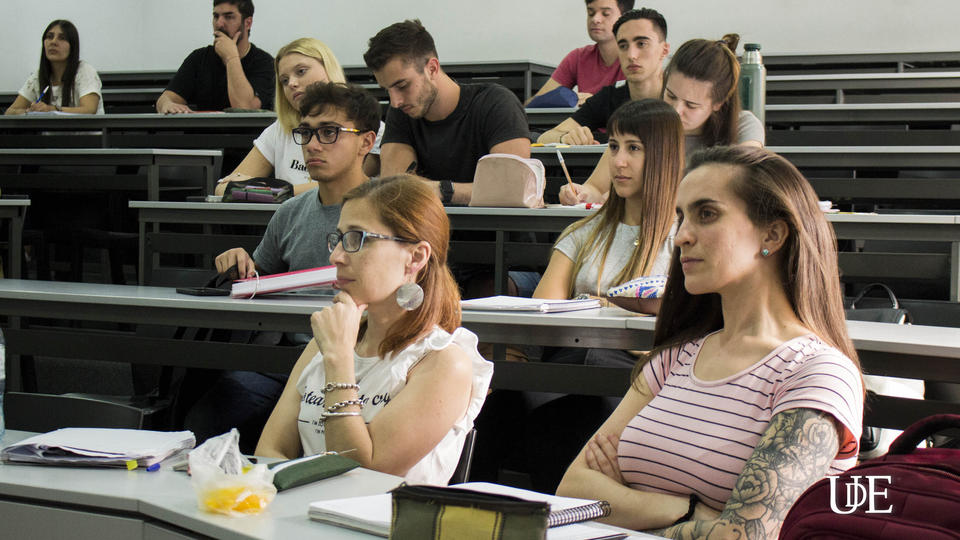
x,y
519,303
372,513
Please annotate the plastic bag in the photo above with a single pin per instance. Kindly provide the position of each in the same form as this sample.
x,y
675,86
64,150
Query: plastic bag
x,y
225,481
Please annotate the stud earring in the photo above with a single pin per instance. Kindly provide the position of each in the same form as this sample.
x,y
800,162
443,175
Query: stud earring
x,y
409,296
765,252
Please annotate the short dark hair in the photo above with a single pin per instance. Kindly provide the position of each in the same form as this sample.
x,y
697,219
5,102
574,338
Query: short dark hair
x,y
245,7
359,106
624,5
650,14
407,39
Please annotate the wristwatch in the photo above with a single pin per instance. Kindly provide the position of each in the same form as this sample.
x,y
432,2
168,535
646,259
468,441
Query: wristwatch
x,y
446,191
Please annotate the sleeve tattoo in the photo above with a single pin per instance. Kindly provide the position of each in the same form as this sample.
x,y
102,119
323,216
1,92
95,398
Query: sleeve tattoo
x,y
794,452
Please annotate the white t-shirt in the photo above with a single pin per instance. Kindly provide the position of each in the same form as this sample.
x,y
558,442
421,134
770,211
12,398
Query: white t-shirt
x,y
286,156
380,380
86,82
619,257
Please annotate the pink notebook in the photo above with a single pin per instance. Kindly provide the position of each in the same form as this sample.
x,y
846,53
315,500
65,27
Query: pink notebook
x,y
287,281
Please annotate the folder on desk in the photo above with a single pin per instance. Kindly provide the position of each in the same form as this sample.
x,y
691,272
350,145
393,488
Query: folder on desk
x,y
310,278
99,447
518,303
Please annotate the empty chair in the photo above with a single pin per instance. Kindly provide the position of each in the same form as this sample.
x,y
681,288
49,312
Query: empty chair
x,y
47,412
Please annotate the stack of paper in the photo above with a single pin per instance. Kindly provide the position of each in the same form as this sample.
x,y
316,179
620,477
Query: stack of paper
x,y
517,303
372,514
99,447
323,276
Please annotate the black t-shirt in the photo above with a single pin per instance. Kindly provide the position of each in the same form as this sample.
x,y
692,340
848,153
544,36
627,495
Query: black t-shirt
x,y
598,108
486,115
202,78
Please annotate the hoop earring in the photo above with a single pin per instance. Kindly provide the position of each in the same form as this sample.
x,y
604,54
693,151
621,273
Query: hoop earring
x,y
409,296
765,252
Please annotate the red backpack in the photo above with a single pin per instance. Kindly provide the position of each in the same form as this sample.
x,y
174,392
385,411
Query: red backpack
x,y
909,493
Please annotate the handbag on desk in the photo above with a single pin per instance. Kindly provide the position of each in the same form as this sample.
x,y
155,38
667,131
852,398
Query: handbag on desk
x,y
506,180
258,190
893,314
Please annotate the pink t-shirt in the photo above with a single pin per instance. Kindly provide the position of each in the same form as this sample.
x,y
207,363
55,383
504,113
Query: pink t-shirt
x,y
696,436
584,69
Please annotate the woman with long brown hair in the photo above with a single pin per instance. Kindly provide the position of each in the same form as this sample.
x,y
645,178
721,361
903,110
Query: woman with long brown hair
x,y
401,386
753,390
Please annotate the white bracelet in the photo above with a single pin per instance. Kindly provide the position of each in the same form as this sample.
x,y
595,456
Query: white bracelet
x,y
326,415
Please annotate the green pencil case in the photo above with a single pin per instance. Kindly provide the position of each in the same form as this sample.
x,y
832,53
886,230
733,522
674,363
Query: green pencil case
x,y
300,471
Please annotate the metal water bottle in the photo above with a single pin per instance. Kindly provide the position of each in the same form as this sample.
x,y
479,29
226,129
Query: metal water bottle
x,y
753,81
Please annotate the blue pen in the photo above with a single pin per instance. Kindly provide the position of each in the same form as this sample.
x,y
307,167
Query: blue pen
x,y
42,94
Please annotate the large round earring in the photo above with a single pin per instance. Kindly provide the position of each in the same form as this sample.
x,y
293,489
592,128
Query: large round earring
x,y
409,296
765,252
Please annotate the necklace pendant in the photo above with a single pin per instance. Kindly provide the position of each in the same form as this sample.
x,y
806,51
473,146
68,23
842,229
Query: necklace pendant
x,y
636,242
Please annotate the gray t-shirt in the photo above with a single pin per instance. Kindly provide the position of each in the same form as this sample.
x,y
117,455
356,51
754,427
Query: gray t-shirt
x,y
749,128
617,259
296,237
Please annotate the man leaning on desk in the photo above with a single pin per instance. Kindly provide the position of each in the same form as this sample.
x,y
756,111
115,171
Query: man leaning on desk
x,y
435,126
230,73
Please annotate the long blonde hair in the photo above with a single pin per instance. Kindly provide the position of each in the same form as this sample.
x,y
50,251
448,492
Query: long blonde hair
x,y
658,127
288,116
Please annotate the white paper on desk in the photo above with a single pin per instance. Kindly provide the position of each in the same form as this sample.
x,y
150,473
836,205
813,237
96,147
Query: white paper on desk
x,y
99,446
519,303
372,514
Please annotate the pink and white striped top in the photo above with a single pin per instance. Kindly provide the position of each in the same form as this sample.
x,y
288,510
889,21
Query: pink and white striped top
x,y
696,436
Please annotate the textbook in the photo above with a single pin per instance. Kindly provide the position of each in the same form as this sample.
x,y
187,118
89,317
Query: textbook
x,y
519,303
372,514
310,278
101,447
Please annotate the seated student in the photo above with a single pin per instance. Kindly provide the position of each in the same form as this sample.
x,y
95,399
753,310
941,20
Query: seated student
x,y
337,130
400,387
753,391
435,126
631,236
702,83
298,64
63,82
232,72
592,67
641,37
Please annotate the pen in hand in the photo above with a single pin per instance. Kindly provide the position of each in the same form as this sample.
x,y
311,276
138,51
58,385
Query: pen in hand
x,y
566,172
42,94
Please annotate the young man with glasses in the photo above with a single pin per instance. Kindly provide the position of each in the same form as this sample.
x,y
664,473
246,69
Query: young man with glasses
x,y
337,131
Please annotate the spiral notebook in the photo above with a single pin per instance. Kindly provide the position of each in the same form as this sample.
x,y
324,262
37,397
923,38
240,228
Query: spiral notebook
x,y
372,513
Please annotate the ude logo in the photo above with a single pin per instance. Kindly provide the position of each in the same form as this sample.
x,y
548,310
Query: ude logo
x,y
858,494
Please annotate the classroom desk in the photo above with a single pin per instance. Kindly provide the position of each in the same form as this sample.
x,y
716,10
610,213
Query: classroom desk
x,y
545,118
913,351
864,87
150,130
913,114
106,504
151,159
785,64
14,210
499,220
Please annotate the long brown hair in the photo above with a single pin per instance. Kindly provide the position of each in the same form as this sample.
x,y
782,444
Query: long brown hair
x,y
68,79
713,62
772,189
658,127
406,205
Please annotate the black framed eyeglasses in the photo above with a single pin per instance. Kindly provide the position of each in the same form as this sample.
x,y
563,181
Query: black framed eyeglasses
x,y
325,134
353,240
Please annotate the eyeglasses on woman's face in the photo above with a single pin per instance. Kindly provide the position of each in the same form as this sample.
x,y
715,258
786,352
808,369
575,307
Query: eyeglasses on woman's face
x,y
353,240
324,134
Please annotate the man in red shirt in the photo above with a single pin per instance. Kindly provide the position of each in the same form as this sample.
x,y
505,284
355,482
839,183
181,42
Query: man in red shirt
x,y
592,67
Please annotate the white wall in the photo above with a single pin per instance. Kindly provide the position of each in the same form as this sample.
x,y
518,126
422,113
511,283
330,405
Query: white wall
x,y
158,34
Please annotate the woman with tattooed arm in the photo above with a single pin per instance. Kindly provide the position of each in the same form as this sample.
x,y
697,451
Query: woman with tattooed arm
x,y
753,391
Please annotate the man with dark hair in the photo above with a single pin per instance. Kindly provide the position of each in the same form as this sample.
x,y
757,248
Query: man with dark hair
x,y
641,36
337,129
592,67
436,127
230,73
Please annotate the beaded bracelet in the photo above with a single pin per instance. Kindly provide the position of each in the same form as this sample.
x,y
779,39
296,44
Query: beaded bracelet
x,y
331,386
342,404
